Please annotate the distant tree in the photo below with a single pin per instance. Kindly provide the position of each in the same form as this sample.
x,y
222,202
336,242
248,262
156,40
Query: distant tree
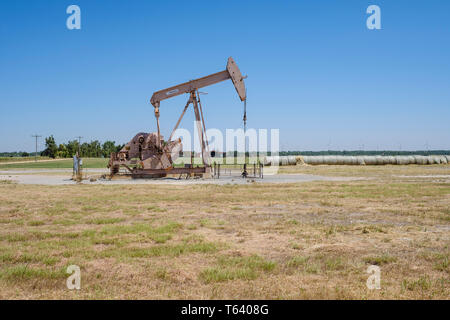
x,y
72,147
62,151
24,154
108,147
50,147
119,147
95,149
84,149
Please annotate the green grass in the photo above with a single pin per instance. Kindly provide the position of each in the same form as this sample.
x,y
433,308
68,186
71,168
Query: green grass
x,y
36,223
316,264
6,257
423,284
333,264
232,268
14,159
442,265
305,264
379,260
154,208
20,272
297,262
92,163
217,274
142,228
252,262
105,220
172,250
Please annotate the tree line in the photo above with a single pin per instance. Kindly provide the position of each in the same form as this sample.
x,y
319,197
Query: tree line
x,y
16,154
93,149
96,149
365,153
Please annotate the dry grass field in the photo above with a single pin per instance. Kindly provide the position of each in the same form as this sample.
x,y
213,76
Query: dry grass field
x,y
310,240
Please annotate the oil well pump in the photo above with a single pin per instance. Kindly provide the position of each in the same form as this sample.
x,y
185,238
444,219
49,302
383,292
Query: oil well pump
x,y
148,154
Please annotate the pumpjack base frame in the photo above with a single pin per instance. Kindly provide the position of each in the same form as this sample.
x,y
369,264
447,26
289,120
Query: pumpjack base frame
x,y
160,173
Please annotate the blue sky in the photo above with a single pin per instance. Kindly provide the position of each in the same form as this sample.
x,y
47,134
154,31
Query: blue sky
x,y
314,70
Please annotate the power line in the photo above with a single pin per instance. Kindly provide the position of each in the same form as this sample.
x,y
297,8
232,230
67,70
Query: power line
x,y
79,144
36,136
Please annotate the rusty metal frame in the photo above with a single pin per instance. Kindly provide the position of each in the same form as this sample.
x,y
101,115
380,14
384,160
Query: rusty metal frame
x,y
171,170
231,72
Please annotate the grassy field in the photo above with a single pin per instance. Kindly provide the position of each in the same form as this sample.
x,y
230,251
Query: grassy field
x,y
15,159
376,171
281,241
57,164
88,163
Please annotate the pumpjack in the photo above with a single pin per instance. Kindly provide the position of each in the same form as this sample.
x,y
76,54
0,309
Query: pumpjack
x,y
148,154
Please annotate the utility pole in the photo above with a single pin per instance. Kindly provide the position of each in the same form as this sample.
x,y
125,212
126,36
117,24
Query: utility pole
x,y
79,145
36,136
